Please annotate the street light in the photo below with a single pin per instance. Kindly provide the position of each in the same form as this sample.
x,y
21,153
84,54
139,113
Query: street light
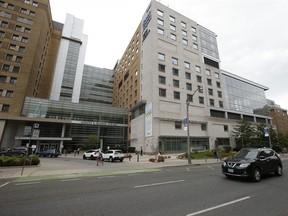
x,y
188,100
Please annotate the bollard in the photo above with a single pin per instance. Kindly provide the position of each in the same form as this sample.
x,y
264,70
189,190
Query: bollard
x,y
137,157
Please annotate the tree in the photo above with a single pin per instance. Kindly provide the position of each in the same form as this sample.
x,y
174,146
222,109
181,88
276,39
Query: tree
x,y
262,140
244,132
91,142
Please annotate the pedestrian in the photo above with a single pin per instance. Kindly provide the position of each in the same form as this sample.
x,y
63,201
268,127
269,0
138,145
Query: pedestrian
x,y
78,151
215,155
158,156
141,151
99,157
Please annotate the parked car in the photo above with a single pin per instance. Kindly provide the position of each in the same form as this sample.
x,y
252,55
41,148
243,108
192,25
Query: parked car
x,y
16,151
113,155
253,163
48,153
90,154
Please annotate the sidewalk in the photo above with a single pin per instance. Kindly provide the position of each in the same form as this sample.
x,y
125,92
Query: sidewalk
x,y
72,167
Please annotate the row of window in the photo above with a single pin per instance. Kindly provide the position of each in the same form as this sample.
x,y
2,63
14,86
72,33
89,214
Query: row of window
x,y
33,3
11,68
14,58
6,93
189,97
5,79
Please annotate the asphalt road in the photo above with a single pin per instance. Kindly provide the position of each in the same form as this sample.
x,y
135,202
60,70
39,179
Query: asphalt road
x,y
183,190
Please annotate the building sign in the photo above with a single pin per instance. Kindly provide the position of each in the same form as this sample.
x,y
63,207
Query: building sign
x,y
185,124
99,123
148,120
146,21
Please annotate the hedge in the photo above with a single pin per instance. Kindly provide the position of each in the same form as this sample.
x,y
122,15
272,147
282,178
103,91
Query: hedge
x,y
19,160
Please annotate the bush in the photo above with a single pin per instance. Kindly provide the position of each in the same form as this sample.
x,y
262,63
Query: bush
x,y
19,160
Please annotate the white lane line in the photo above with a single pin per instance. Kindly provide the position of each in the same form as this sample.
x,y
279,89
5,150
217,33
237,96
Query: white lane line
x,y
4,184
218,206
27,183
188,169
100,177
75,179
160,183
211,168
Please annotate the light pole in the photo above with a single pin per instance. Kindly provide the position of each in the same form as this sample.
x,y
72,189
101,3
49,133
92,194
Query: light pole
x,y
188,100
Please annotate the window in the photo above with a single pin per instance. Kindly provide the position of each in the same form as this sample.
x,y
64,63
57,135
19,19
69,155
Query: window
x,y
12,47
160,13
16,69
211,102
221,104
208,72
162,92
9,94
210,91
194,37
193,29
184,41
172,19
201,100
161,67
189,86
32,14
203,126
24,40
5,67
176,95
5,108
218,84
199,79
198,68
216,75
225,128
173,28
161,57
188,75
184,33
19,59
160,31
187,65
195,46
162,80
160,22
176,83
183,24
175,72
9,57
13,80
35,4
4,24
178,125
174,61
209,82
2,34
27,30
173,36
1,92
3,79
26,1
189,97
219,94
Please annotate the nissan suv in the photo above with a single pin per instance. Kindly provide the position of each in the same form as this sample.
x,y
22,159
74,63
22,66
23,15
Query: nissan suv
x,y
253,163
113,155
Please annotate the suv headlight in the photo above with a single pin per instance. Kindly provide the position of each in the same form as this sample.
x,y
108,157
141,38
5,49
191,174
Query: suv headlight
x,y
224,164
244,165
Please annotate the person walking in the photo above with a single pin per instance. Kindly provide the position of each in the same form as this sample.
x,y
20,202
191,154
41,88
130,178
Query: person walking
x,y
99,157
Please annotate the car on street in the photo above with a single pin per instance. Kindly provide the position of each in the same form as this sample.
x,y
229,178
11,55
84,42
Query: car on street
x,y
113,155
253,163
15,151
90,154
48,153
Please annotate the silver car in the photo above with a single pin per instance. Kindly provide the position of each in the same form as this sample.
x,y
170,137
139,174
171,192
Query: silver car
x,y
113,155
90,154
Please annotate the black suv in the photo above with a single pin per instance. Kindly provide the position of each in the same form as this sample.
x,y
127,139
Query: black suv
x,y
253,162
20,151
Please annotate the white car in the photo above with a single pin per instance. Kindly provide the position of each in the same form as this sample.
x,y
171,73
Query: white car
x,y
91,154
113,155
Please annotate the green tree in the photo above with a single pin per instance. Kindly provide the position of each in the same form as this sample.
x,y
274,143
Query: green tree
x,y
244,132
264,141
283,140
91,142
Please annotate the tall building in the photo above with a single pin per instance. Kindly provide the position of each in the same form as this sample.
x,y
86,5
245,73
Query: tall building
x,y
172,63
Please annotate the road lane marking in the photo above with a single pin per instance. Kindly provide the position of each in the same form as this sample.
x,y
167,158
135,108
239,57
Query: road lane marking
x,y
75,179
27,183
160,183
218,206
211,168
4,184
188,169
101,177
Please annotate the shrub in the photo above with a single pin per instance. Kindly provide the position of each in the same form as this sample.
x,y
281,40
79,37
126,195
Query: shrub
x,y
19,160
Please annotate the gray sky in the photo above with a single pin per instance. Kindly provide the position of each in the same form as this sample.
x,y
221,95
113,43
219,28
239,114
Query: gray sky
x,y
252,34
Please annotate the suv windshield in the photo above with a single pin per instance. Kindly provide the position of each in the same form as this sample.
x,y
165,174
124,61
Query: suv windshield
x,y
247,153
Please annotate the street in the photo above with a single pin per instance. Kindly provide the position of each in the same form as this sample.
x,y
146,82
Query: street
x,y
181,190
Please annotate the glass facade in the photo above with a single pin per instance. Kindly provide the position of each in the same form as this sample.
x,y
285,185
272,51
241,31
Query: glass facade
x,y
97,85
208,42
70,71
81,120
243,96
179,144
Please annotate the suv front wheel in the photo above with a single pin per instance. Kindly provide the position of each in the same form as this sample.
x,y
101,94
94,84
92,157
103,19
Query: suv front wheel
x,y
278,171
256,175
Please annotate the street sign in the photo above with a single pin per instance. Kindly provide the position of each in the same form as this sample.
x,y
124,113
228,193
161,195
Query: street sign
x,y
185,124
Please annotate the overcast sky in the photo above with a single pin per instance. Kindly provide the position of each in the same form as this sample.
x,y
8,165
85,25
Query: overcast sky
x,y
252,35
